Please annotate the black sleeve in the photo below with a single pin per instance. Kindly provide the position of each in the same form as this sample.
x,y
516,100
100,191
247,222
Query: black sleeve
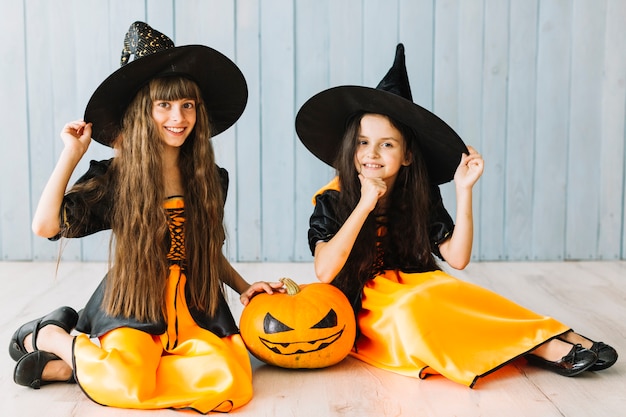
x,y
223,181
80,216
441,224
324,223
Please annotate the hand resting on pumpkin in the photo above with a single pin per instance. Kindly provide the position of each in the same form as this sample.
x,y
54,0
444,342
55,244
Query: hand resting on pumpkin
x,y
246,291
258,287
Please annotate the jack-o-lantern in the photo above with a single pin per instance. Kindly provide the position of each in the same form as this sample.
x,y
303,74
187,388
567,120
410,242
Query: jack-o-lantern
x,y
308,326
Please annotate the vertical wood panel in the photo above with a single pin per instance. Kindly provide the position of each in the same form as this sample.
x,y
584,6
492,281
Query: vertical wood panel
x,y
612,231
97,56
520,135
470,95
417,33
446,77
585,133
277,140
44,44
380,36
160,14
313,63
248,187
15,206
345,38
495,73
553,78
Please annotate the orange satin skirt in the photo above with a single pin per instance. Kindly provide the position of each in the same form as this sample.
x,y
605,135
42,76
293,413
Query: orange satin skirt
x,y
187,367
420,324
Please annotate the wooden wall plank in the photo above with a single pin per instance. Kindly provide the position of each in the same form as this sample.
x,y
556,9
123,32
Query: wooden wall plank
x,y
612,216
585,137
248,128
520,134
380,36
277,140
553,79
446,77
63,63
15,200
471,61
345,43
416,32
42,78
493,147
160,14
312,24
96,58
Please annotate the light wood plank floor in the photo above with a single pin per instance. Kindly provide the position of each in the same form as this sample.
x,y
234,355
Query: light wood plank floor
x,y
589,296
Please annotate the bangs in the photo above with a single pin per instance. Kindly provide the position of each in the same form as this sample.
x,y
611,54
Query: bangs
x,y
174,88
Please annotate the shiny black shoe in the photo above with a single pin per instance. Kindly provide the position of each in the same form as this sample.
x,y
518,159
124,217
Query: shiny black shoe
x,y
607,356
576,361
64,317
29,369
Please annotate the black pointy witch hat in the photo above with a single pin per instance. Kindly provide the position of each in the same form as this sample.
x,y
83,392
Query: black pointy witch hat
x,y
223,86
321,121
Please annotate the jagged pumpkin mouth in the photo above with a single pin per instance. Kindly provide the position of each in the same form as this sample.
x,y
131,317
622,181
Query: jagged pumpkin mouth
x,y
297,348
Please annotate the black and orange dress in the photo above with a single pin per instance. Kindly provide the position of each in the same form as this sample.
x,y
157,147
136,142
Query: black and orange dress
x,y
187,360
427,323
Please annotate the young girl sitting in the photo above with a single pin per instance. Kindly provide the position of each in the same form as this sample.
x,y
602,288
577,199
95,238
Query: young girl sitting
x,y
376,226
166,337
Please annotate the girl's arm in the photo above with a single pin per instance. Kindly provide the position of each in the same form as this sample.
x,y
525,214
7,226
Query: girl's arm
x,y
457,250
76,137
234,280
331,256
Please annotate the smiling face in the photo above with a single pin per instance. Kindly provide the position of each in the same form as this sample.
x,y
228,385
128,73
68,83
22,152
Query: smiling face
x,y
380,149
174,119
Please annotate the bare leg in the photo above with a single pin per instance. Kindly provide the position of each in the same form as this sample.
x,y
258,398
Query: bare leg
x,y
575,338
552,350
55,340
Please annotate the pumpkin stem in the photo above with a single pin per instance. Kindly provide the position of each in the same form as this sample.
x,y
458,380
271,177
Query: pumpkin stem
x,y
291,287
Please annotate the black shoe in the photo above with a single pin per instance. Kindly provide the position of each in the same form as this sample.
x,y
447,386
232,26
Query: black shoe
x,y
607,356
576,361
64,317
29,368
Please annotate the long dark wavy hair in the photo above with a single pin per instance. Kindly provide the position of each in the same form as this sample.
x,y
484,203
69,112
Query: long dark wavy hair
x,y
406,244
136,282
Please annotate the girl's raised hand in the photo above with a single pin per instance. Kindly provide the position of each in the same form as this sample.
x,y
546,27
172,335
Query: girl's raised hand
x,y
76,136
469,170
258,287
372,189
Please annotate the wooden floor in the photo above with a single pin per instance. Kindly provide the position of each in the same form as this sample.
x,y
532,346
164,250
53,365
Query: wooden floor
x,y
589,296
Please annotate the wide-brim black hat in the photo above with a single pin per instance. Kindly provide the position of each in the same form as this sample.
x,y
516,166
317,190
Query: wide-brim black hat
x,y
322,120
223,86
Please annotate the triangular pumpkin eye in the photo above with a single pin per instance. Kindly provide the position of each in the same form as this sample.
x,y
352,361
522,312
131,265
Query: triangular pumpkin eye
x,y
329,321
271,325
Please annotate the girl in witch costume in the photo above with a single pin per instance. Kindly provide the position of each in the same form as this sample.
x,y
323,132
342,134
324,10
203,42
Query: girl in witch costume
x,y
376,226
167,338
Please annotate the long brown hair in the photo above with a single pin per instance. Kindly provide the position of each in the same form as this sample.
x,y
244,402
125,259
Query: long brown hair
x,y
406,244
139,242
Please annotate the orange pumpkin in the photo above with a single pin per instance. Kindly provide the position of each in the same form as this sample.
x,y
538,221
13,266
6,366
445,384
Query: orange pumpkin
x,y
308,326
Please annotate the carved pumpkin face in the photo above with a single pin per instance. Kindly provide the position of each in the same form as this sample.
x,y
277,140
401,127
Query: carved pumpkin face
x,y
309,326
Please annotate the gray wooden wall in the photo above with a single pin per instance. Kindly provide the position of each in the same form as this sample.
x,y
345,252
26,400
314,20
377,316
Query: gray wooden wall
x,y
537,86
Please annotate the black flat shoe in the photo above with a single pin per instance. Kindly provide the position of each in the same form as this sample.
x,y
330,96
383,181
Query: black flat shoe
x,y
607,356
576,361
64,317
29,368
